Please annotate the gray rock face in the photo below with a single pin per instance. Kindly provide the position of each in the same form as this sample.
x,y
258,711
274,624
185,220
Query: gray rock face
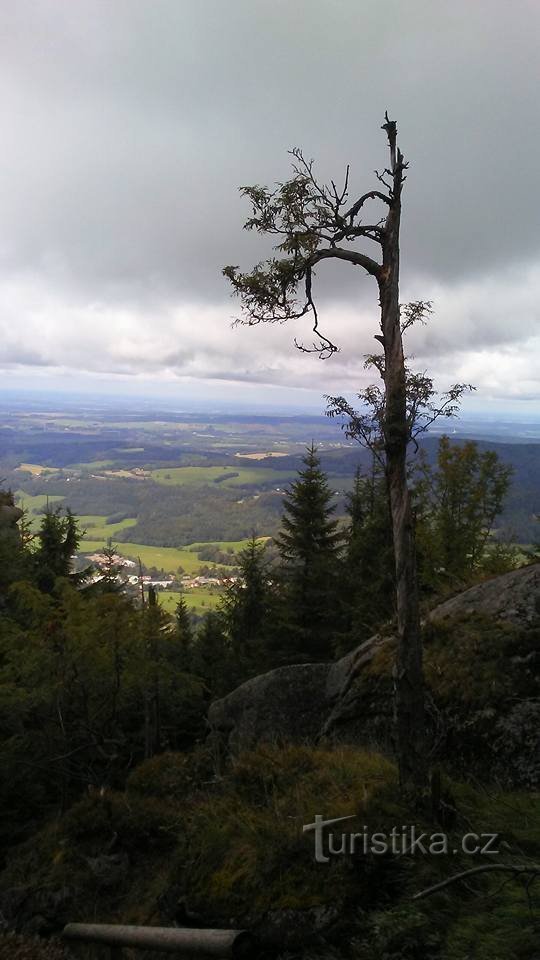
x,y
514,597
281,705
9,517
291,704
321,701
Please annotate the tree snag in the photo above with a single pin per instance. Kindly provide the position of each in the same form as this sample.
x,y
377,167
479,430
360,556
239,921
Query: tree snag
x,y
409,683
313,222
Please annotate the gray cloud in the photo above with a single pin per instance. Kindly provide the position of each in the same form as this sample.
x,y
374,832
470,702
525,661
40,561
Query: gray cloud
x,y
128,127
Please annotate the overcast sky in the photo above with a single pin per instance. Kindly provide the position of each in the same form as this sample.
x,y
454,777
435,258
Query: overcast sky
x,y
128,125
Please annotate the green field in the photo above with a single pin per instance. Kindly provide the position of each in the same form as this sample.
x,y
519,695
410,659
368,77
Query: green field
x,y
34,505
235,545
180,476
96,526
199,600
164,558
94,465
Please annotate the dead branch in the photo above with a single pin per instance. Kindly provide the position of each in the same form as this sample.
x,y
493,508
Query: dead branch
x,y
517,869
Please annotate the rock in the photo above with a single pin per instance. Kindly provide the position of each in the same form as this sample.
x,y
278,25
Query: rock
x,y
350,701
281,705
514,597
9,518
290,704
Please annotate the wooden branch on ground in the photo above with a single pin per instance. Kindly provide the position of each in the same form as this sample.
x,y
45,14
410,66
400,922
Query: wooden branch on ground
x,y
517,869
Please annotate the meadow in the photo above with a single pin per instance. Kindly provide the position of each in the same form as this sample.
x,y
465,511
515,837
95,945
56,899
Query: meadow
x,y
34,505
245,476
169,559
198,600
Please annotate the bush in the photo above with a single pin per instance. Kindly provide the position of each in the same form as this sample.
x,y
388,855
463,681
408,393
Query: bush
x,y
171,776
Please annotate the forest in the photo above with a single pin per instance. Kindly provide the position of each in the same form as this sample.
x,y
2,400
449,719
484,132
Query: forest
x,y
269,498
104,714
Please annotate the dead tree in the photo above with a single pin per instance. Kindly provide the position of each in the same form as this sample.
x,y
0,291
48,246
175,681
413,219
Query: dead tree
x,y
314,222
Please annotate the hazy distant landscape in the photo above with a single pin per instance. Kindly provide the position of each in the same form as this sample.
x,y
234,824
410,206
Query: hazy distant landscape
x,y
183,491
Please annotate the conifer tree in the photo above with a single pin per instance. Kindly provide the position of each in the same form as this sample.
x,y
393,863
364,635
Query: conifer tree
x,y
111,579
309,546
184,632
211,656
367,583
58,539
246,609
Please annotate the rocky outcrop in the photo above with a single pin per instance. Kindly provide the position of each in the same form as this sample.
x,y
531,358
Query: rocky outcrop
x,y
351,700
9,517
513,597
282,705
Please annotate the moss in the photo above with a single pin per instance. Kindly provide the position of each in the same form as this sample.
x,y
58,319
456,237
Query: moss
x,y
171,776
474,660
104,820
246,848
235,853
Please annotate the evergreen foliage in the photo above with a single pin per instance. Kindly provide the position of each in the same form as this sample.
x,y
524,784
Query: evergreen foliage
x,y
212,659
247,610
367,583
309,546
57,542
184,631
458,501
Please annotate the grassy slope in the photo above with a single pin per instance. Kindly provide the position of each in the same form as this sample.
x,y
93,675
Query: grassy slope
x,y
35,505
246,475
96,526
199,600
235,849
165,558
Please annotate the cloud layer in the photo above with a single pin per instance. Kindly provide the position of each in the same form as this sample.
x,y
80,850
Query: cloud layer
x,y
128,127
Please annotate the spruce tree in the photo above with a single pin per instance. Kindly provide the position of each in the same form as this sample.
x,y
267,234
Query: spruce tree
x,y
246,608
367,584
58,539
212,660
184,632
309,546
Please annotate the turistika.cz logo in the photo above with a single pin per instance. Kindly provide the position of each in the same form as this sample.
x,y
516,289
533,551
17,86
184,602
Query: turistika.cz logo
x,y
404,840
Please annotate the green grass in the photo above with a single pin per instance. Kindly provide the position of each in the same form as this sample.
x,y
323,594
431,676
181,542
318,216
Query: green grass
x,y
94,464
235,545
34,505
181,476
199,599
96,526
164,558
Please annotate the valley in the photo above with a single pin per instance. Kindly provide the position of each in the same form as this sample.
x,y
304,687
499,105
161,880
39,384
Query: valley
x,y
182,492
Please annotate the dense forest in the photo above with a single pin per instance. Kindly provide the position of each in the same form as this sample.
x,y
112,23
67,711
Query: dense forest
x,y
102,694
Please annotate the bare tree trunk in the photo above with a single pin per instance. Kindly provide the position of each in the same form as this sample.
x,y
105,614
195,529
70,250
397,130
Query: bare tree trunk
x,y
409,686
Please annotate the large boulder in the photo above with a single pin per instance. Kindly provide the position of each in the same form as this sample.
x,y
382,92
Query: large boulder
x,y
9,517
291,704
513,597
282,705
351,700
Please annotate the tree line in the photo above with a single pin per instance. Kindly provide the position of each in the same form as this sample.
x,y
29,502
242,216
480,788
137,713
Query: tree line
x,y
93,681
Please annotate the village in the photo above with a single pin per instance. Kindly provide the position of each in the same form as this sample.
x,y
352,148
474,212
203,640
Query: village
x,y
123,565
